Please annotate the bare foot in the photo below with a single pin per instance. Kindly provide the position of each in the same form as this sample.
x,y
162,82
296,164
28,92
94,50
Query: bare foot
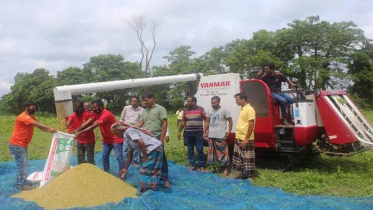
x,y
226,172
167,184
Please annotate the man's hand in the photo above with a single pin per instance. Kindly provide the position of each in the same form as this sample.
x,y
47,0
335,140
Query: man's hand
x,y
144,159
52,130
123,173
205,136
178,135
167,139
77,134
227,135
244,143
260,73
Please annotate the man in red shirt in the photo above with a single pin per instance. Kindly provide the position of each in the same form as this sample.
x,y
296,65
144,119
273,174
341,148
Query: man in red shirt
x,y
86,141
87,106
20,139
104,120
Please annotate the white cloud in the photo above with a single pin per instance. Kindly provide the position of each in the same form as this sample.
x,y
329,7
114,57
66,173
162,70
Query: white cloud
x,y
58,34
4,87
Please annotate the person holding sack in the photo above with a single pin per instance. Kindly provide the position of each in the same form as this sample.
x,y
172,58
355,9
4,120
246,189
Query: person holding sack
x,y
20,139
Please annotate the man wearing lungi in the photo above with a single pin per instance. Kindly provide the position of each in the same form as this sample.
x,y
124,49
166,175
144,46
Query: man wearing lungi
x,y
244,154
154,120
217,133
151,153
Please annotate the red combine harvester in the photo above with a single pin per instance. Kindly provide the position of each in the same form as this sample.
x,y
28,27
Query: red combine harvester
x,y
327,121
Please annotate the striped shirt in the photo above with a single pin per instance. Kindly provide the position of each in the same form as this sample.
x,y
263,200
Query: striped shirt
x,y
194,120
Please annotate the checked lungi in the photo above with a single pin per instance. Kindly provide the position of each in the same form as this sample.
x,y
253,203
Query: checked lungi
x,y
150,171
218,151
244,158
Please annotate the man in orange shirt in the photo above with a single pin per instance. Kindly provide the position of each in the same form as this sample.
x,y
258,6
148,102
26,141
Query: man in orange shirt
x,y
20,139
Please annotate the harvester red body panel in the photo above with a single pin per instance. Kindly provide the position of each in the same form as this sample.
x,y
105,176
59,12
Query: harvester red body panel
x,y
337,131
262,101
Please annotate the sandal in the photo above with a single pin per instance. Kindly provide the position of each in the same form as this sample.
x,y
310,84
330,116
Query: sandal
x,y
192,168
202,169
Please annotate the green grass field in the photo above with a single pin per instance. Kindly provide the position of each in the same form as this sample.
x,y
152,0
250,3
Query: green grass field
x,y
350,176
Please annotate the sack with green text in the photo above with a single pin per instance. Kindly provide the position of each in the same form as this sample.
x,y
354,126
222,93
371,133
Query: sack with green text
x,y
59,157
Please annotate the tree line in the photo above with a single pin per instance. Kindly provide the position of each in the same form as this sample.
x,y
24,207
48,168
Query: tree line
x,y
315,53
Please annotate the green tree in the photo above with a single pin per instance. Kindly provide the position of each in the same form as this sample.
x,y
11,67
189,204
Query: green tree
x,y
172,96
317,44
361,70
37,86
70,76
104,68
214,60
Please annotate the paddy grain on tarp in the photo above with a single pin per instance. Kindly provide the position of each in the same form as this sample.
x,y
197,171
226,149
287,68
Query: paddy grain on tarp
x,y
82,186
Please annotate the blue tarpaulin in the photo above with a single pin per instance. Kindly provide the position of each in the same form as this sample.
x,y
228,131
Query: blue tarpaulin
x,y
190,190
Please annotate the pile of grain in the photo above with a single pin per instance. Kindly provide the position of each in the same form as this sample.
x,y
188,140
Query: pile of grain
x,y
82,186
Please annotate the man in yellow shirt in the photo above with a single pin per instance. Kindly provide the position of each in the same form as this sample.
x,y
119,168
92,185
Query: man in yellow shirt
x,y
244,155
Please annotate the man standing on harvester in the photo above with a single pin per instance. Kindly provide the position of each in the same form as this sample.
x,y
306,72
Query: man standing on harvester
x,y
274,81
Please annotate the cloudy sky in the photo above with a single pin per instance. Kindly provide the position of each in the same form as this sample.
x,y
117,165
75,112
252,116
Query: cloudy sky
x,y
58,34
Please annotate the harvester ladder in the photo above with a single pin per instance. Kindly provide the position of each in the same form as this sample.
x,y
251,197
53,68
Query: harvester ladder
x,y
368,128
351,117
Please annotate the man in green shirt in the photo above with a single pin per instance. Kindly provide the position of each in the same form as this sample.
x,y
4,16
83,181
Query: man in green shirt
x,y
154,119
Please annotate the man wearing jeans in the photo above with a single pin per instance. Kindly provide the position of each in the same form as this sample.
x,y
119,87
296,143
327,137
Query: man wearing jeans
x,y
104,120
193,121
20,139
274,81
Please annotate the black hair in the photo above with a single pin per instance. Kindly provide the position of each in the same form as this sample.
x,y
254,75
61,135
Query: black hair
x,y
135,97
270,65
29,103
241,95
217,98
79,103
98,103
149,95
194,99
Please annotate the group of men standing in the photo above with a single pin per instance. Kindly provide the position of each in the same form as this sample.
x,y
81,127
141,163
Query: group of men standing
x,y
147,133
216,126
152,118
